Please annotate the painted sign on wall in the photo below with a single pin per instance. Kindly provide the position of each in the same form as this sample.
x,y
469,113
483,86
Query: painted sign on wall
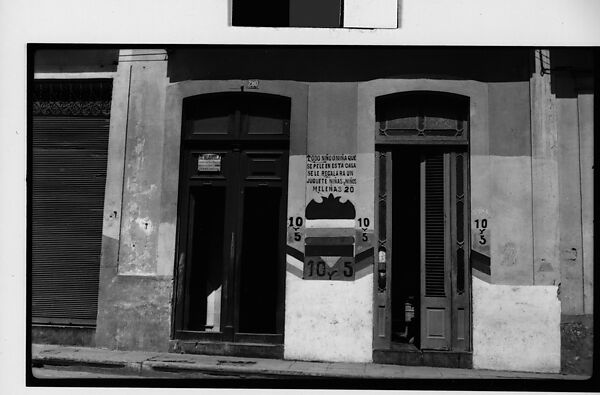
x,y
329,258
480,244
330,217
332,174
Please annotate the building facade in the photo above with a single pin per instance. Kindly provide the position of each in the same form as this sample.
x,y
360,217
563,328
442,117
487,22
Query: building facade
x,y
360,204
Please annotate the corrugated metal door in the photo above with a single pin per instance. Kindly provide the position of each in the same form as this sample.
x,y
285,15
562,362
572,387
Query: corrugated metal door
x,y
69,155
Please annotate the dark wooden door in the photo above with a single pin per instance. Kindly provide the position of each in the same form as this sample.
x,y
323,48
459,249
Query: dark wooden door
x,y
233,198
423,276
445,317
435,253
423,243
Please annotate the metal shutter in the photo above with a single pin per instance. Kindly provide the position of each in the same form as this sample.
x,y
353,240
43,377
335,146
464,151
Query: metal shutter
x,y
69,157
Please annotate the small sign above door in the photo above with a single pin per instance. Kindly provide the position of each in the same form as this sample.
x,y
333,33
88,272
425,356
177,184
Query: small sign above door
x,y
209,163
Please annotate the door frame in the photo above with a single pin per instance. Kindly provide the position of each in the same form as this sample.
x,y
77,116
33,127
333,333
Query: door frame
x,y
479,136
382,338
383,142
176,92
234,184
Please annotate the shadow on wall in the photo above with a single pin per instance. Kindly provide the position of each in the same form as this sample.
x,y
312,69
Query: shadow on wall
x,y
339,64
75,60
571,71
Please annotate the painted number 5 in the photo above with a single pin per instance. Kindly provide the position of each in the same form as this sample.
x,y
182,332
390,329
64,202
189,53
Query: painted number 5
x,y
484,223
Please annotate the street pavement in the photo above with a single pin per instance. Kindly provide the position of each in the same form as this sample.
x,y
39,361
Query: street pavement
x,y
54,361
90,372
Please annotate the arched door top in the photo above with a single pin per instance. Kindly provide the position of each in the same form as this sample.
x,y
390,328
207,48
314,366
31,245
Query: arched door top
x,y
422,117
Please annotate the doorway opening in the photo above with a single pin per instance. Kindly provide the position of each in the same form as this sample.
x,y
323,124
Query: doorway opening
x,y
231,229
424,305
258,296
422,288
406,225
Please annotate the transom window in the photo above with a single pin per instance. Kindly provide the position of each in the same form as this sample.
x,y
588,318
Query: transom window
x,y
422,116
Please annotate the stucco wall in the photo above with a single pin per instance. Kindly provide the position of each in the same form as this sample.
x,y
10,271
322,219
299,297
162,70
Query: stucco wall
x,y
516,324
329,320
574,102
570,209
333,320
142,185
585,105
516,327
510,197
511,242
134,302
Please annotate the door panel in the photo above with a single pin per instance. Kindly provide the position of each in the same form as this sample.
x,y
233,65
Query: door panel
x,y
461,274
233,237
382,337
435,301
264,165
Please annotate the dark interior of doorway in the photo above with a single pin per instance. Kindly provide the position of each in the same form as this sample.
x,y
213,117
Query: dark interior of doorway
x,y
406,244
260,257
207,254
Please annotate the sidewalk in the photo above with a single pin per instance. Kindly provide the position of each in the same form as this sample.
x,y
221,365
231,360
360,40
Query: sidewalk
x,y
152,363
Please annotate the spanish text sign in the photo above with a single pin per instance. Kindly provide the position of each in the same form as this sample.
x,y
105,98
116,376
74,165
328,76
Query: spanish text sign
x,y
330,217
331,182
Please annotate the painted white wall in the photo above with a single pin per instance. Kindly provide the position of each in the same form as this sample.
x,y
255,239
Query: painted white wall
x,y
371,13
328,320
516,327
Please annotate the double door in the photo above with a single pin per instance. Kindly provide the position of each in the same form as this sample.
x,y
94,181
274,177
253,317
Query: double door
x,y
423,294
231,231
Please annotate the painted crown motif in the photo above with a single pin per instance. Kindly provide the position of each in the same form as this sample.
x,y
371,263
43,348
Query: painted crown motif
x,y
330,208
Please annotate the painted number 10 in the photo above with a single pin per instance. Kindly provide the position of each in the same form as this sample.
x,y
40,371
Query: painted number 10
x,y
321,269
484,223
295,222
364,223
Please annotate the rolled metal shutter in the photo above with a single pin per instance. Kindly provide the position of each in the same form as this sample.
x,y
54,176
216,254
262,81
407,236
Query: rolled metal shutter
x,y
69,156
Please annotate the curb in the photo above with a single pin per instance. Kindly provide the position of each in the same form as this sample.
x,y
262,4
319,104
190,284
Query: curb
x,y
154,364
152,368
126,367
